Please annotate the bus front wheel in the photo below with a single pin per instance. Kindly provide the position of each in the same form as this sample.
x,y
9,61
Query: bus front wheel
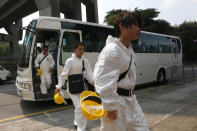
x,y
161,77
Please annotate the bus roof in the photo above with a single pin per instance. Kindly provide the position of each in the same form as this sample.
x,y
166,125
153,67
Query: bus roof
x,y
72,21
159,34
40,18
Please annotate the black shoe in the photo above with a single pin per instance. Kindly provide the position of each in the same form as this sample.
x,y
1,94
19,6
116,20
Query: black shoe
x,y
75,126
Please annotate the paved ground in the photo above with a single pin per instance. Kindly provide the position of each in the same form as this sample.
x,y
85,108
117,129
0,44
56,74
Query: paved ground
x,y
167,108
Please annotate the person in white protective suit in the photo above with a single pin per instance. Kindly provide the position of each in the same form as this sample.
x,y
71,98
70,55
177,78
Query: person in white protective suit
x,y
72,66
115,77
45,62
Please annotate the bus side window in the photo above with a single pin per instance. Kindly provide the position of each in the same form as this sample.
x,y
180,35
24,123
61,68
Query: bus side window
x,y
164,45
150,45
86,40
174,46
102,36
178,45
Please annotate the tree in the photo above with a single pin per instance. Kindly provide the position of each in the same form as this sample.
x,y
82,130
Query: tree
x,y
148,22
111,16
188,33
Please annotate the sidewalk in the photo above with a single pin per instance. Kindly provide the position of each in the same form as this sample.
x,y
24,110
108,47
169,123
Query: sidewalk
x,y
56,121
166,108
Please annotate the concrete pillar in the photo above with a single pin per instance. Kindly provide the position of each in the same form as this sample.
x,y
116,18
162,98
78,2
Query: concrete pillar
x,y
72,10
77,10
48,7
12,29
92,11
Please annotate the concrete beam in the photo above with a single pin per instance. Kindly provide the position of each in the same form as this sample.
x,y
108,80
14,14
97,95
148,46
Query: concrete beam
x,y
5,38
3,2
12,10
48,7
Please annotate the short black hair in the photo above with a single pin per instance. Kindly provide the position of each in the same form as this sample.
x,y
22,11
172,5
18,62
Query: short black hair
x,y
78,44
45,47
126,18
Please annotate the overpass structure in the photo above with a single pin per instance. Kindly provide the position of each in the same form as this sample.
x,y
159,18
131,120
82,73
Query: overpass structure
x,y
12,12
5,37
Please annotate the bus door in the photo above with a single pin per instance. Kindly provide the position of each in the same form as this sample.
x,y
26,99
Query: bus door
x,y
174,52
67,42
48,38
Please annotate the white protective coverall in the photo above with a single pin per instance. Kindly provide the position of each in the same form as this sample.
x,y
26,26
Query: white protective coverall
x,y
72,66
114,60
47,63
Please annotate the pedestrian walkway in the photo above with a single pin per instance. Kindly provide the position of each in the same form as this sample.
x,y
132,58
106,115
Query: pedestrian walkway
x,y
166,108
55,121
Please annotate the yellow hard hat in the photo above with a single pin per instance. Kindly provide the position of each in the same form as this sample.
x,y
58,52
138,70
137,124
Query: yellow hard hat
x,y
91,106
58,99
39,73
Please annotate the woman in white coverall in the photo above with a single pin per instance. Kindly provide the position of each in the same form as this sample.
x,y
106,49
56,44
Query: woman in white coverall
x,y
46,63
118,99
72,66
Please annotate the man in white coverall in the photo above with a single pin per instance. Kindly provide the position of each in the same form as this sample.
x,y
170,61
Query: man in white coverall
x,y
45,62
118,99
72,66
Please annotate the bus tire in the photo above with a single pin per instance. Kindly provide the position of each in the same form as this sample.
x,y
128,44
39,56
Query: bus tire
x,y
161,76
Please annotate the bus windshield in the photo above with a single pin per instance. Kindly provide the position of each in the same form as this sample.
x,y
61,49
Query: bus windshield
x,y
26,47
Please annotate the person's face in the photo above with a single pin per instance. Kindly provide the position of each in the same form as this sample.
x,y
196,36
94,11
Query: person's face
x,y
131,32
45,50
79,51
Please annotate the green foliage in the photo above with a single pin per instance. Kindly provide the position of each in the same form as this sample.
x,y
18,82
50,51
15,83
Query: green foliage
x,y
148,14
188,33
4,49
111,16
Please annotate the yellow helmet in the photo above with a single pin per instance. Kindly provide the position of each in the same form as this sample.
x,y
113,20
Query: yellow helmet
x,y
39,73
58,99
91,106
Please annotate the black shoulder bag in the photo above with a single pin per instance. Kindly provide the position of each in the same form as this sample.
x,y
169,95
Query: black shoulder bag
x,y
89,86
76,83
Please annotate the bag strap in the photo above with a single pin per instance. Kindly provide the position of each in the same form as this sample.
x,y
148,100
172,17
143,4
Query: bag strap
x,y
83,67
121,76
43,59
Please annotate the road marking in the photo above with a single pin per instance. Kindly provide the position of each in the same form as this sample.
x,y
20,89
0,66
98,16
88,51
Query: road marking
x,y
36,113
168,115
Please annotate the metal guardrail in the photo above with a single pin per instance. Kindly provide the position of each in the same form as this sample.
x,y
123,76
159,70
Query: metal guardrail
x,y
177,75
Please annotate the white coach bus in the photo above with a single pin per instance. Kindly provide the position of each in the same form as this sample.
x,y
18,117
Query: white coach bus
x,y
151,66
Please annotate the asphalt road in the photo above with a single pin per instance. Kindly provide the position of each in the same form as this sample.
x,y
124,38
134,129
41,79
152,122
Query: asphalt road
x,y
12,106
167,108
